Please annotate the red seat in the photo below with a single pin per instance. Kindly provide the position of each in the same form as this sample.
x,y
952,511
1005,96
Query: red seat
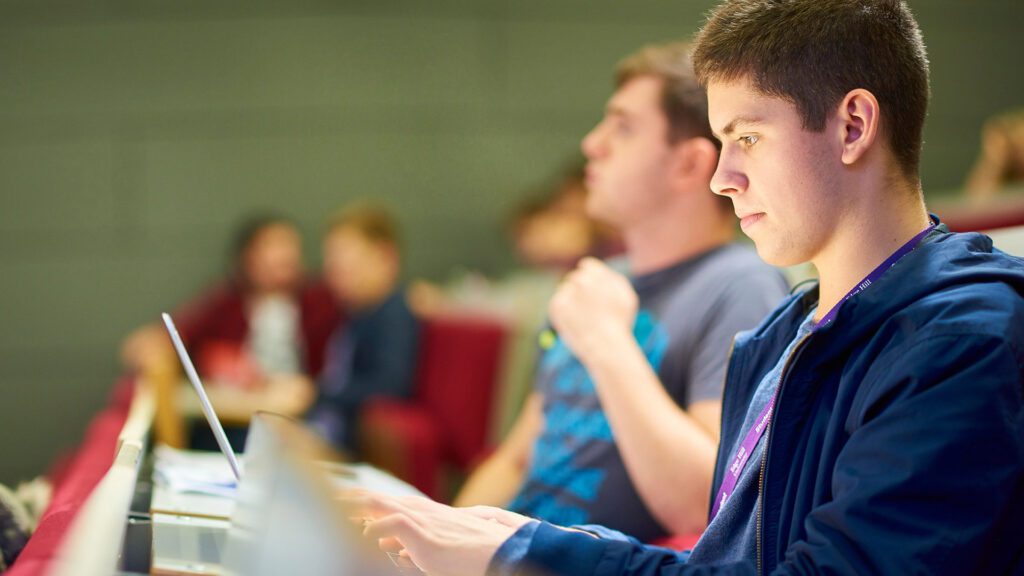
x,y
447,423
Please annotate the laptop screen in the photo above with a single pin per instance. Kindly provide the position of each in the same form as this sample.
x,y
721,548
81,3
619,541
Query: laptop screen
x,y
211,416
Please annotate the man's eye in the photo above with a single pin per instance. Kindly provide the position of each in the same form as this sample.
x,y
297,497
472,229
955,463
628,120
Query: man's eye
x,y
748,140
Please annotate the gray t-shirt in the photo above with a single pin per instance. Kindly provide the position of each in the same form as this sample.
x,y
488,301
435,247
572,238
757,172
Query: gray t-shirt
x,y
689,314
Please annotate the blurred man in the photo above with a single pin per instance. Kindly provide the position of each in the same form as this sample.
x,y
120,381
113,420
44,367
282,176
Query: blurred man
x,y
622,429
374,353
874,424
1000,162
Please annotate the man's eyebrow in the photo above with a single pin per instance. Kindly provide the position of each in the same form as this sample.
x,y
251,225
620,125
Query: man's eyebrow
x,y
613,110
732,127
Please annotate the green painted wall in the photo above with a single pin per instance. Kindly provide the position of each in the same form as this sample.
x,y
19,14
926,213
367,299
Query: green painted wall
x,y
134,134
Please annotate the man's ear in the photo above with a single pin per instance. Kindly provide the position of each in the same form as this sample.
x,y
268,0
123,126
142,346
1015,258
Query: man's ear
x,y
696,158
859,115
391,253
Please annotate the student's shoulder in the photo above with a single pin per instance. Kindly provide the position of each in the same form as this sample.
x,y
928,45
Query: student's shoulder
x,y
960,348
315,290
969,333
979,309
957,285
211,304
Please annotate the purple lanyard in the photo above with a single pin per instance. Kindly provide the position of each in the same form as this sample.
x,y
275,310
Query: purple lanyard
x,y
876,274
739,460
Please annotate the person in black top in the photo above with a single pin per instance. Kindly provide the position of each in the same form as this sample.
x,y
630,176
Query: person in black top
x,y
374,353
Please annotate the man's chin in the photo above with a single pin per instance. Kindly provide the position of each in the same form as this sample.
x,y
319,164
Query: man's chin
x,y
777,257
602,214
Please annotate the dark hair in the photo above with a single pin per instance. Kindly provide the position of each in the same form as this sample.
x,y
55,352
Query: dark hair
x,y
814,52
683,100
374,222
251,227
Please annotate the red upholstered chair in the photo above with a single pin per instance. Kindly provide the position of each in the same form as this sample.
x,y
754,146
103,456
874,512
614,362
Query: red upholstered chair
x,y
447,422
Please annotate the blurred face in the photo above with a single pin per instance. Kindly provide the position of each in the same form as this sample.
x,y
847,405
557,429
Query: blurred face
x,y
629,158
273,260
358,271
783,180
554,238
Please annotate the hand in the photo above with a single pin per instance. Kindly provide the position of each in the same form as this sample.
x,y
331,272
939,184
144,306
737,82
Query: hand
x,y
995,141
288,394
147,348
425,298
593,306
439,539
498,515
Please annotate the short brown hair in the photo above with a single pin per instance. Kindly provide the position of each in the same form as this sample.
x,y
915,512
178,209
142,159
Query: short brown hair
x,y
374,222
813,52
683,100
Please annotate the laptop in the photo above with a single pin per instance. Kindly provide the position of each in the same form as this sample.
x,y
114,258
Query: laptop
x,y
288,519
283,517
204,400
190,528
182,503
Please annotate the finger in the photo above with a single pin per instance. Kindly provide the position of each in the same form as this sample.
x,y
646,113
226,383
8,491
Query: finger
x,y
569,279
396,534
604,274
390,545
357,502
359,520
591,263
372,504
394,527
404,560
596,273
559,302
353,493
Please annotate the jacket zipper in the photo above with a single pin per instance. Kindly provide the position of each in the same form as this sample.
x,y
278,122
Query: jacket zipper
x,y
764,453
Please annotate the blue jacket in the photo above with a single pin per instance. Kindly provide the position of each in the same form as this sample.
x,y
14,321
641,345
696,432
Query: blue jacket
x,y
897,446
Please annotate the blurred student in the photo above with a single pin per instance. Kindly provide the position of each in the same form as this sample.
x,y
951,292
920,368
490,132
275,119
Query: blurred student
x,y
622,427
1000,163
374,353
265,319
555,232
549,232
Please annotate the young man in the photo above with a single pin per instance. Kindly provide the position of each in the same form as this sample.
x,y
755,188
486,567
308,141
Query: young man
x,y
874,424
627,439
374,353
